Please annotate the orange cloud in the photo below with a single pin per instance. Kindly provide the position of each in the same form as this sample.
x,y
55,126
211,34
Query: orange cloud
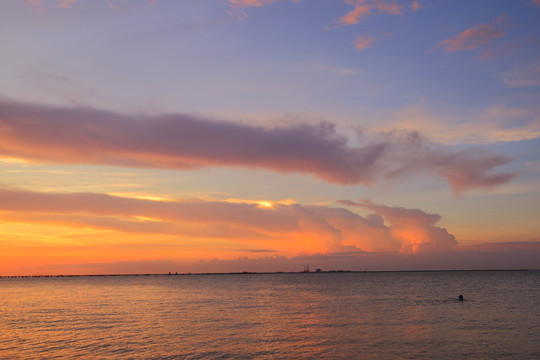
x,y
415,6
475,38
98,233
287,229
412,229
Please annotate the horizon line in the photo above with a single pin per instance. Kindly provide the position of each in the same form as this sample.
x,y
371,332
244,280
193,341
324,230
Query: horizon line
x,y
253,273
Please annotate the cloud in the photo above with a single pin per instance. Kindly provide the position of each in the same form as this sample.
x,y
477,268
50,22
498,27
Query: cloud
x,y
388,7
522,76
462,169
511,255
415,6
365,8
77,135
32,3
341,71
497,51
413,229
65,3
236,7
475,38
250,3
361,8
494,124
354,16
283,228
93,206
363,41
190,235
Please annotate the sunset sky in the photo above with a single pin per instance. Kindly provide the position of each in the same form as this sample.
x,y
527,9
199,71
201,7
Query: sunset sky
x,y
148,136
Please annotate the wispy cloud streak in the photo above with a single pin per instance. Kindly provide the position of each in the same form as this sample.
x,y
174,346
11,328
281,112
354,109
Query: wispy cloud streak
x,y
361,8
364,8
363,41
476,37
177,141
522,76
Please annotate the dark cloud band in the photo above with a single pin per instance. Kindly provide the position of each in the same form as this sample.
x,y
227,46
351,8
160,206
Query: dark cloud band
x,y
178,141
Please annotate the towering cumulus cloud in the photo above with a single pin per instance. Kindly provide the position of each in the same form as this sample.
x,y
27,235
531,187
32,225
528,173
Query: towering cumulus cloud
x,y
412,229
178,141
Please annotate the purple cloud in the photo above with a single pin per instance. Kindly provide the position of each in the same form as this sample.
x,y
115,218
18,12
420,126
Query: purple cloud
x,y
78,135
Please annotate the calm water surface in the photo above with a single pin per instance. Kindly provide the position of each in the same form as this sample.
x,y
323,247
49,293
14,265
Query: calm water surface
x,y
408,315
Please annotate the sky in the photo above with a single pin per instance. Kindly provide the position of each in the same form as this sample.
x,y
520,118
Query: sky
x,y
148,136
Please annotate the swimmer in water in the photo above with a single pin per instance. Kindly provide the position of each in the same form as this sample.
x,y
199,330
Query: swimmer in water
x,y
460,298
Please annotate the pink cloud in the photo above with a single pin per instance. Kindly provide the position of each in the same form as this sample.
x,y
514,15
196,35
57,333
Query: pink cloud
x,y
354,16
391,7
31,3
178,141
61,3
250,3
522,76
497,51
465,169
361,9
462,169
236,7
363,41
364,8
475,38
65,3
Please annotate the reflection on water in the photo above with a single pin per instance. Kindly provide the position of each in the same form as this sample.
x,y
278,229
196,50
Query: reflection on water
x,y
326,315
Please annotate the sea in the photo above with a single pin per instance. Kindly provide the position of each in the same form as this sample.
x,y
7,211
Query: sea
x,y
326,315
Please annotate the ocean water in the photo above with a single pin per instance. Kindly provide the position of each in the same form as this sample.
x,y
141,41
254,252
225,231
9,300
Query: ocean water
x,y
386,315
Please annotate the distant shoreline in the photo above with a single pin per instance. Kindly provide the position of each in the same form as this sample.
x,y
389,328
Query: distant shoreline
x,y
259,273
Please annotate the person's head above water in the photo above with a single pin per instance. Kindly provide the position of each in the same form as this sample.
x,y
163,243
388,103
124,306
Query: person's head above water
x,y
460,297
